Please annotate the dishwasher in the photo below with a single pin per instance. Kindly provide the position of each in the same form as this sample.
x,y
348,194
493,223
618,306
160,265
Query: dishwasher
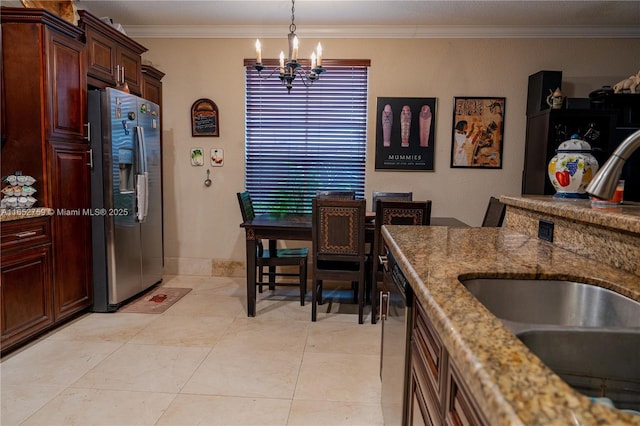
x,y
396,298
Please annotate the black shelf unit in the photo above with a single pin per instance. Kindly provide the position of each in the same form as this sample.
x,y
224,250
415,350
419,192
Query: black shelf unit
x,y
547,129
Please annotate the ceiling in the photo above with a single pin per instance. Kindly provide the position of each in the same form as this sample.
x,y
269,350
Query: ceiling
x,y
370,18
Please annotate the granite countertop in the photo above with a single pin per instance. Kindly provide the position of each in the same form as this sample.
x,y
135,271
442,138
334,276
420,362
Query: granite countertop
x,y
510,384
624,217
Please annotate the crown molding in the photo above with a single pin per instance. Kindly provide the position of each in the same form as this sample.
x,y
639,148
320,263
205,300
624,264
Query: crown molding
x,y
381,31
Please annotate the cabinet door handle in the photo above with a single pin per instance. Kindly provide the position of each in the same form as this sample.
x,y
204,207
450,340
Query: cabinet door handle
x,y
90,163
384,304
25,234
117,74
382,259
122,81
88,137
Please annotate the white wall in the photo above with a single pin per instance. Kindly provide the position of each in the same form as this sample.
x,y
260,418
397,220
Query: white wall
x,y
202,224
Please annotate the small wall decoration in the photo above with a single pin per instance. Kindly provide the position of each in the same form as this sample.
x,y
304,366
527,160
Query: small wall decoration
x,y
405,129
205,119
197,157
477,135
217,157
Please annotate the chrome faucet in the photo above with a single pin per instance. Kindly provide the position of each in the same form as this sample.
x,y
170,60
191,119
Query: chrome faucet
x,y
604,183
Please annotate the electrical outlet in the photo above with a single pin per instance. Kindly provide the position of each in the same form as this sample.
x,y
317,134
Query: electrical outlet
x,y
545,230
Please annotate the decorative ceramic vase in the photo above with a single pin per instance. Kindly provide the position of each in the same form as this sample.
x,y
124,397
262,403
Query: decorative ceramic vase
x,y
572,168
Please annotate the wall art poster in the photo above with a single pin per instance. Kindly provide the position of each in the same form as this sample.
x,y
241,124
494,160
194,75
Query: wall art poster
x,y
478,128
405,130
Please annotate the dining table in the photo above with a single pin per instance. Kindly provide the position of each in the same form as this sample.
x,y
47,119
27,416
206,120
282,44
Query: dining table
x,y
298,226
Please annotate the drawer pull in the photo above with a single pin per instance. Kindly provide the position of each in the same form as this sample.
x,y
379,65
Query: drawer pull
x,y
25,234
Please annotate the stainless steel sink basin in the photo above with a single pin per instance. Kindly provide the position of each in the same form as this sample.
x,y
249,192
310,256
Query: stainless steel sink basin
x,y
598,363
524,304
587,335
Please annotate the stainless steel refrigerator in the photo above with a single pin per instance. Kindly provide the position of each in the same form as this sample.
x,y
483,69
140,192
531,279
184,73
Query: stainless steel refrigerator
x,y
126,196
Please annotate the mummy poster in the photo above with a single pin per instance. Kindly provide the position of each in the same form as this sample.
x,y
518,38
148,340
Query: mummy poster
x,y
405,130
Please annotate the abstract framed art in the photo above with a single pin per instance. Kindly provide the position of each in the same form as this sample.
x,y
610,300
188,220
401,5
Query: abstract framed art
x,y
405,129
477,134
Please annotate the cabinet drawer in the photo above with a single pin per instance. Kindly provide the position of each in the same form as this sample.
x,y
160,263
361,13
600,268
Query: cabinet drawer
x,y
17,234
431,351
461,409
422,388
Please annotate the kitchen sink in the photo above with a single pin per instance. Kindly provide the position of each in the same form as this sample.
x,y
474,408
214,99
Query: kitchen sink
x,y
525,304
587,335
596,363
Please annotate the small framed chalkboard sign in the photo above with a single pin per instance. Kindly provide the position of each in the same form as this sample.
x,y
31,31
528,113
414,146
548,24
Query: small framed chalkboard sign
x,y
205,120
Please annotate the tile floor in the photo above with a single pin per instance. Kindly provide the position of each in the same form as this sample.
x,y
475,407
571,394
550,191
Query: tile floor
x,y
201,362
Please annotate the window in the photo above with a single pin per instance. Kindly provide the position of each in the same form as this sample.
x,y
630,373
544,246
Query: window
x,y
312,138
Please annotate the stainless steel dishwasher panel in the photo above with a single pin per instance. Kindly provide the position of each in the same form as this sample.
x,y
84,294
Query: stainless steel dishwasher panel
x,y
395,304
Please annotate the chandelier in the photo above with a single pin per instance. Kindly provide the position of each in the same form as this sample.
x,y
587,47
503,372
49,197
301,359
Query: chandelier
x,y
289,67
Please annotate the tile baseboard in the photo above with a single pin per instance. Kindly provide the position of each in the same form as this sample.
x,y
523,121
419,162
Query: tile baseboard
x,y
203,267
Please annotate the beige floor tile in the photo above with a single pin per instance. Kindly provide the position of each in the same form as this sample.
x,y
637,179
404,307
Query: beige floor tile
x,y
102,407
203,361
268,374
245,335
178,330
109,327
225,411
198,282
212,305
283,308
334,413
55,362
339,377
21,401
150,368
341,337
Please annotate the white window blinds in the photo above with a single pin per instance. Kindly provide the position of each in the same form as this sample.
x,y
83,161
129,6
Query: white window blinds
x,y
312,138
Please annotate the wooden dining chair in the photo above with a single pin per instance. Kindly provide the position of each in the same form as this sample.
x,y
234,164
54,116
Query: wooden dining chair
x,y
338,234
297,257
494,215
390,196
342,195
393,213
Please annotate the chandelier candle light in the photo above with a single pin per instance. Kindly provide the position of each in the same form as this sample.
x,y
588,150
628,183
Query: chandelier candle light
x,y
289,68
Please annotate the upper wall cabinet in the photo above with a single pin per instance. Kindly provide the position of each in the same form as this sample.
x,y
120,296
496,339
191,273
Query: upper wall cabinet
x,y
152,84
111,55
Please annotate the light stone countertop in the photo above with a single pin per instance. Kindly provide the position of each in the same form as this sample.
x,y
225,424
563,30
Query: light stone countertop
x,y
511,385
624,217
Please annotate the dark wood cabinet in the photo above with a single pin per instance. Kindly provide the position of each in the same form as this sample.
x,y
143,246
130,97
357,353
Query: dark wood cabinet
x,y
460,407
26,299
45,82
66,90
69,163
437,392
152,84
109,52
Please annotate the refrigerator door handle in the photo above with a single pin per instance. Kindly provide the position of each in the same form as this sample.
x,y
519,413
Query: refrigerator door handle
x,y
142,181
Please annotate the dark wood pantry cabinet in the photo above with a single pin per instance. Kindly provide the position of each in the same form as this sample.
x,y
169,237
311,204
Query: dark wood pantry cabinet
x,y
45,94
